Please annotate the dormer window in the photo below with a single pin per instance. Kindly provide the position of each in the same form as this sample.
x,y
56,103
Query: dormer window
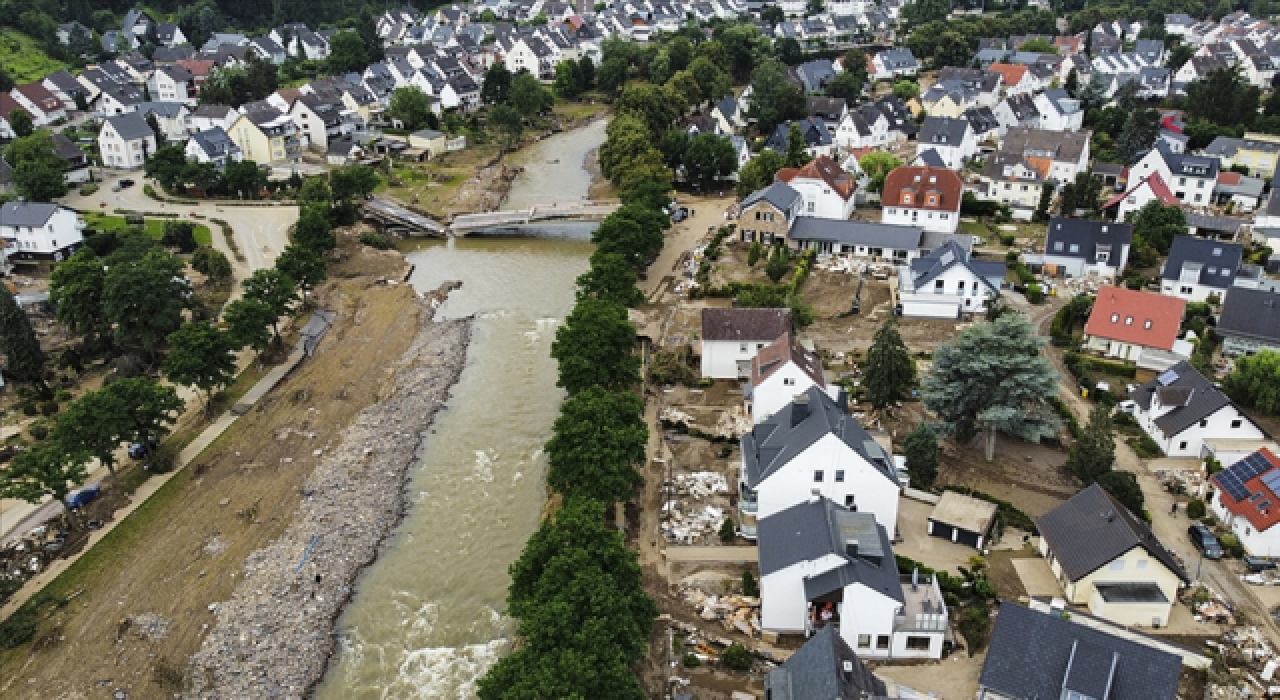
x,y
906,197
1115,318
1147,324
1217,252
1058,246
1128,320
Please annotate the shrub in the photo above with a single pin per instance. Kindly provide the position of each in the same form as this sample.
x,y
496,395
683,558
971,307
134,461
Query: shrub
x,y
88,189
753,254
737,657
1007,239
38,431
727,531
1145,447
1231,545
691,660
750,587
1035,294
29,409
63,395
1195,509
974,624
376,240
48,408
18,629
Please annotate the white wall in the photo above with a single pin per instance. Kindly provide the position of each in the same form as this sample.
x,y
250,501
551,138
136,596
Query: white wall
x,y
720,358
820,201
942,222
783,607
1262,544
872,491
1189,442
775,392
927,303
870,612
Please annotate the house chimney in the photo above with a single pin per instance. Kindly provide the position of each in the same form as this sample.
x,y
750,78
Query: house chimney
x,y
815,495
851,548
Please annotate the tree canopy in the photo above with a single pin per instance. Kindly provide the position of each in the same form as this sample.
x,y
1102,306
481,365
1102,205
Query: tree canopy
x,y
201,356
1255,381
595,348
612,278
889,370
145,298
597,443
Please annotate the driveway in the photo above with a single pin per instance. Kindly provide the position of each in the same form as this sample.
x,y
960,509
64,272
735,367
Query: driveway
x,y
934,552
1037,578
260,232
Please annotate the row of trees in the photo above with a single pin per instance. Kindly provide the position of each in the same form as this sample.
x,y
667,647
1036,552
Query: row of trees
x,y
576,589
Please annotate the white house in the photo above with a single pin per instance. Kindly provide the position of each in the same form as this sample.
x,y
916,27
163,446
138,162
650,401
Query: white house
x,y
171,117
821,564
1247,500
213,146
732,337
1084,248
892,64
43,107
1198,268
947,283
1149,188
1180,409
922,196
213,116
864,127
172,84
1059,111
38,231
952,138
1066,151
779,372
828,191
812,445
1191,178
126,141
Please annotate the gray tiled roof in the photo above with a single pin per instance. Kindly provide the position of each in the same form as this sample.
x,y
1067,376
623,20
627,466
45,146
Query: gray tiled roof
x,y
816,672
944,131
815,529
1091,529
1199,250
927,268
772,444
1200,399
779,194
130,126
32,214
1251,313
809,228
1039,655
215,142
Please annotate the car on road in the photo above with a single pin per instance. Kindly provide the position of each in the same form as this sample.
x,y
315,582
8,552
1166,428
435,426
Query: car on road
x,y
126,182
138,450
1204,541
81,497
1256,564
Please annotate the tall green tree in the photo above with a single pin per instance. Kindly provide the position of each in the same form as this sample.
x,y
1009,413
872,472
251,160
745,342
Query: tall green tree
x,y
889,371
250,323
1141,129
412,107
528,96
611,278
920,447
877,165
44,472
24,360
509,123
21,123
303,266
313,231
596,445
656,105
75,288
92,426
993,377
37,168
567,83
276,290
925,11
632,231
496,89
200,356
1095,452
1255,381
348,53
758,172
1157,225
144,299
774,99
149,408
778,264
846,86
1123,486
795,155
595,347
709,159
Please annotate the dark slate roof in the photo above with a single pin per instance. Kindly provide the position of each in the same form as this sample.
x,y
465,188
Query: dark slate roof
x,y
215,142
34,214
168,110
1039,655
816,74
814,130
944,131
981,119
1251,313
1211,255
809,228
1091,529
817,671
1087,235
779,194
170,54
815,529
728,106
1202,398
775,442
1188,165
130,125
931,157
927,268
67,150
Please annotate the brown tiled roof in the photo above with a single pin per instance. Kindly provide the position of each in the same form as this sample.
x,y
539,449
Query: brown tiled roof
x,y
775,355
825,169
1066,146
1123,314
923,187
745,324
1012,74
39,96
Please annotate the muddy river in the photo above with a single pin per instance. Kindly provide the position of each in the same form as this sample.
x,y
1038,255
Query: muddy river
x,y
427,619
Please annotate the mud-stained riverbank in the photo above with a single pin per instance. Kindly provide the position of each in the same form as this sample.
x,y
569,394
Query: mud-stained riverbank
x,y
273,637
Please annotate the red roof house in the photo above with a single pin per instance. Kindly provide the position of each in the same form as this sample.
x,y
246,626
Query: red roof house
x,y
1247,500
1126,323
1151,188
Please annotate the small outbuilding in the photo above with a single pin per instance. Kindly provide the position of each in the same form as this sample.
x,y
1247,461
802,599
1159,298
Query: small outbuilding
x,y
963,519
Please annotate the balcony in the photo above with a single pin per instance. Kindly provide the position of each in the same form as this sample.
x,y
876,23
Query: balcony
x,y
923,609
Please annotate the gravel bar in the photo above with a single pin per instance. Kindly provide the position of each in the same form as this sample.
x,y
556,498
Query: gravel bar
x,y
273,639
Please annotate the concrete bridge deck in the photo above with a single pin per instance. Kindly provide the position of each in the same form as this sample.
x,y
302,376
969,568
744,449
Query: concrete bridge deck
x,y
581,211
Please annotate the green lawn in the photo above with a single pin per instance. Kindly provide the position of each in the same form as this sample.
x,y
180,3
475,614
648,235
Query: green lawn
x,y
153,227
24,59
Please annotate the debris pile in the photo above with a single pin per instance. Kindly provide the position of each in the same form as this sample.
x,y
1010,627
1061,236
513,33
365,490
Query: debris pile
x,y
737,613
274,636
690,527
1243,646
1187,481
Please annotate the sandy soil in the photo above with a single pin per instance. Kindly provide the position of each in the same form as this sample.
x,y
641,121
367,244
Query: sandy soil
x,y
141,603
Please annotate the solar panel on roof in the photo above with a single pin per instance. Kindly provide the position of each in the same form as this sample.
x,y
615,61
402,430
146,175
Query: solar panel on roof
x,y
1272,480
1264,505
1169,377
1234,477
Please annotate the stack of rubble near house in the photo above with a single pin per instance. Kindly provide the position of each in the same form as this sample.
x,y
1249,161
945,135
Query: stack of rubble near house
x,y
736,612
689,523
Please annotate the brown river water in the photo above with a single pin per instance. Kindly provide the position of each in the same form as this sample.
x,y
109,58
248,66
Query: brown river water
x,y
427,618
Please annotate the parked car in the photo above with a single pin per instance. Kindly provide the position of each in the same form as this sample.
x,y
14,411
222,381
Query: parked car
x,y
81,497
126,182
1259,563
1204,541
138,450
